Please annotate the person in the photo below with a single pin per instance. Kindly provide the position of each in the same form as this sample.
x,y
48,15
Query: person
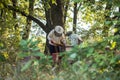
x,y
75,39
57,41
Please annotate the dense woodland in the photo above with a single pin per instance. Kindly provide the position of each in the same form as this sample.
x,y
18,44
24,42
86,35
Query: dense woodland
x,y
24,25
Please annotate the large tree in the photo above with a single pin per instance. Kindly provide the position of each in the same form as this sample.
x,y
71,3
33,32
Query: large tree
x,y
54,14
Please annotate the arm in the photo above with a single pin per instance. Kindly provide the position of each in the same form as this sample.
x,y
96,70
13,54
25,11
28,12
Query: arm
x,y
49,37
79,40
63,40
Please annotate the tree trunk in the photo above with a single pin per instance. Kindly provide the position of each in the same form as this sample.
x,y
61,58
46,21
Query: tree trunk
x,y
57,13
54,16
76,8
66,9
75,17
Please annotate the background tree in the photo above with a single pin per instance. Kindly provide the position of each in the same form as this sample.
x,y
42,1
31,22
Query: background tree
x,y
75,17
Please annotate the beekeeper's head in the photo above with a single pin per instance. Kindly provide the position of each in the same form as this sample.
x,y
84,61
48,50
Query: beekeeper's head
x,y
58,31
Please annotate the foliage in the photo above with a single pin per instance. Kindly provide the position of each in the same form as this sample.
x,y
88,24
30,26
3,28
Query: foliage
x,y
90,61
97,58
9,39
29,48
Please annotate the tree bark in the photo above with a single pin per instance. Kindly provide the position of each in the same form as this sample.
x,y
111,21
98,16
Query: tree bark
x,y
57,13
75,17
65,10
54,16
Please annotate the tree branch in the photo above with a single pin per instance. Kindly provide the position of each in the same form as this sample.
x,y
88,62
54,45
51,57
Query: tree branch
x,y
26,15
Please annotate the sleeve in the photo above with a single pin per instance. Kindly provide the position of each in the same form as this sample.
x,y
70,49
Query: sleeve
x,y
63,40
79,38
49,37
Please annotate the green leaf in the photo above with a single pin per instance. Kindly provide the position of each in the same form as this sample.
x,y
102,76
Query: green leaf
x,y
101,63
36,49
77,1
22,55
36,62
1,6
107,78
1,45
23,43
2,58
38,54
113,60
90,52
116,13
117,3
54,2
108,22
27,65
33,44
73,56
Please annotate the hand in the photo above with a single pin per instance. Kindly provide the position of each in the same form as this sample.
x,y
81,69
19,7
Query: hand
x,y
56,43
52,42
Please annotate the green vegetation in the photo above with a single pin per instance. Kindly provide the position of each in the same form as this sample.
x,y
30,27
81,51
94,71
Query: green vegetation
x,y
92,62
23,55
